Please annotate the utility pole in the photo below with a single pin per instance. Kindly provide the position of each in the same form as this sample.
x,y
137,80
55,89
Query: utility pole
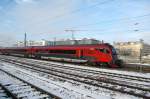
x,y
54,41
140,60
141,53
72,34
25,40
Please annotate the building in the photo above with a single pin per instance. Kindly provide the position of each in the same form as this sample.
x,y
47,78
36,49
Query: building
x,y
33,43
77,42
135,49
89,41
59,42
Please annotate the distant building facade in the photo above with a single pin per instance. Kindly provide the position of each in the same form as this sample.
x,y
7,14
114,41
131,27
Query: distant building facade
x,y
60,42
32,43
77,42
135,49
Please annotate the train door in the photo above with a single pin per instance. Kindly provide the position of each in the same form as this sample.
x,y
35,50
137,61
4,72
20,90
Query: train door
x,y
81,53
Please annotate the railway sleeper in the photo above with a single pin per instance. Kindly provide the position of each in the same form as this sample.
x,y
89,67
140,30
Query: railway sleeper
x,y
122,90
19,88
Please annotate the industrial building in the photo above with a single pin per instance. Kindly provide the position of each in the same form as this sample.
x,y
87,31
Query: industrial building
x,y
32,43
59,42
78,42
134,49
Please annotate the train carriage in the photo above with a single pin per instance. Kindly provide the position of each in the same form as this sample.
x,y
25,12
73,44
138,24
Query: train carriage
x,y
91,54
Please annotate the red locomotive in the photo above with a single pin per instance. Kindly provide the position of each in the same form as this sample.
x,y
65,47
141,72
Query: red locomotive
x,y
92,54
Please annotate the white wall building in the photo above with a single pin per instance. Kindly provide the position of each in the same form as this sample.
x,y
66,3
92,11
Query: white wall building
x,y
136,49
59,42
32,43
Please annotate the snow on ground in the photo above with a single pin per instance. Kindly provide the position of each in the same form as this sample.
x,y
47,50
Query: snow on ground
x,y
65,89
147,75
142,64
58,89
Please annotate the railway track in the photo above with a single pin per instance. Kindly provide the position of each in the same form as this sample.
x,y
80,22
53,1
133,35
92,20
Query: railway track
x,y
4,93
111,84
13,87
92,72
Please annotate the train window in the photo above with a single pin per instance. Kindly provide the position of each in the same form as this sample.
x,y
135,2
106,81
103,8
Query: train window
x,y
19,50
63,51
101,50
41,51
104,50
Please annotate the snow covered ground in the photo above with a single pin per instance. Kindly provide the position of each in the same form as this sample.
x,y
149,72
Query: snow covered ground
x,y
69,89
147,75
95,68
142,64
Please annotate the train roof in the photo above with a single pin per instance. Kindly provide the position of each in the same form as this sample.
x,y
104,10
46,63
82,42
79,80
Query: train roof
x,y
64,46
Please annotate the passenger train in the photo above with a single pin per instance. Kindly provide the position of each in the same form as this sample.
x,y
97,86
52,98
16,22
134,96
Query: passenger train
x,y
94,54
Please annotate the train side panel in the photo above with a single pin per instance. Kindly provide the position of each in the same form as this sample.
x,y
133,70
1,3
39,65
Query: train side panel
x,y
93,54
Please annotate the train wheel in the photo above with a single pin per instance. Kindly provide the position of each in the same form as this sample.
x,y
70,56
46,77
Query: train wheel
x,y
91,63
38,57
108,65
105,64
98,64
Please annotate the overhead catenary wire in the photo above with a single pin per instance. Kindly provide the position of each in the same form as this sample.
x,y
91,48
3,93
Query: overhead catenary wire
x,y
112,20
104,21
100,22
114,30
134,26
77,28
77,10
80,9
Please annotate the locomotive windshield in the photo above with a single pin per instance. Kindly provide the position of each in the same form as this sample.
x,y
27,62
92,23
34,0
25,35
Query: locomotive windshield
x,y
103,50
